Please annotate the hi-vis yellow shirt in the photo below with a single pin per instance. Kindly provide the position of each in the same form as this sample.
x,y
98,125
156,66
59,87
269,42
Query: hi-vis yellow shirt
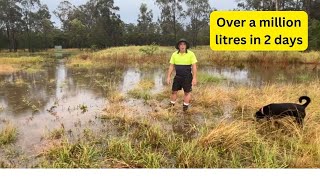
x,y
183,58
183,62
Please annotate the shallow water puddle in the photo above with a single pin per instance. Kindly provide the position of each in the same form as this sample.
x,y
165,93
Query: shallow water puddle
x,y
39,106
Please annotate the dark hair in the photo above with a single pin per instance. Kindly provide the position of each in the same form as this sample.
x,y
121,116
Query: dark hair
x,y
182,40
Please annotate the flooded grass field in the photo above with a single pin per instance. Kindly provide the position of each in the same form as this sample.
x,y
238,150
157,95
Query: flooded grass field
x,y
87,114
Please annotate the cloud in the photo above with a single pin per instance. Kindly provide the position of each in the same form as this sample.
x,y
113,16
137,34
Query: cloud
x,y
224,4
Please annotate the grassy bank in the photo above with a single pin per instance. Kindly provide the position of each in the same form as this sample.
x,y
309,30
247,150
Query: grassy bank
x,y
31,62
132,55
21,60
8,134
46,53
12,64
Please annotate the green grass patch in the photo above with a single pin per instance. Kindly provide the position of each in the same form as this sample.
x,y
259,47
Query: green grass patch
x,y
8,134
56,133
67,155
142,90
205,78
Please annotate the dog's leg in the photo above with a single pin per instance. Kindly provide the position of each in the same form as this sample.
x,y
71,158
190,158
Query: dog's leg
x,y
277,124
299,120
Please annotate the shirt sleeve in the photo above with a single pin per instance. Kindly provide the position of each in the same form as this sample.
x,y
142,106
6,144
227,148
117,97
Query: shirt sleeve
x,y
193,59
172,59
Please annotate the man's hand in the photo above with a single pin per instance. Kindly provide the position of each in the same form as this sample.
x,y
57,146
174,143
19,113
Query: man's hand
x,y
194,81
194,74
171,67
168,80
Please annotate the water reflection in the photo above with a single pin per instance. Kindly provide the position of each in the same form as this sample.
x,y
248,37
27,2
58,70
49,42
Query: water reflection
x,y
61,75
131,78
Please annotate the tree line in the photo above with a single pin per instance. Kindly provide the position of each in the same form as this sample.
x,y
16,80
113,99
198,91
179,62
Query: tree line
x,y
312,7
26,24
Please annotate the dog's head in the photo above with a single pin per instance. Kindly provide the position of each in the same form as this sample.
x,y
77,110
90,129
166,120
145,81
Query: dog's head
x,y
259,114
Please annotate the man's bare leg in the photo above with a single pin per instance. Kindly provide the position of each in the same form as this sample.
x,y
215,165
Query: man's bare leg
x,y
186,100
173,97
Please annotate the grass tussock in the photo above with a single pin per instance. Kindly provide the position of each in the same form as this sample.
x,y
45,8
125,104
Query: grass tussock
x,y
230,136
118,113
115,97
68,155
142,90
56,133
8,134
140,94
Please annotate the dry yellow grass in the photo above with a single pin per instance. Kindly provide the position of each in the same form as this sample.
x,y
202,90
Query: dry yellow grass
x,y
121,56
8,134
247,100
12,64
230,136
115,97
19,60
7,69
132,55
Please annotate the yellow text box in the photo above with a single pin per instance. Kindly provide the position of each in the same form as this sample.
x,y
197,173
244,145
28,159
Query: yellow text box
x,y
259,30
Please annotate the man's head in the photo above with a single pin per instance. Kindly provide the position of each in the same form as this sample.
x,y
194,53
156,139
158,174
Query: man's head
x,y
182,45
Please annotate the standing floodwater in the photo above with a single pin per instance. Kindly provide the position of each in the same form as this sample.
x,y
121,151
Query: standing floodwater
x,y
73,98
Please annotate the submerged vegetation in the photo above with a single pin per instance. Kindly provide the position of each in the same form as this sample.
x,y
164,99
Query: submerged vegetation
x,y
204,78
8,134
142,90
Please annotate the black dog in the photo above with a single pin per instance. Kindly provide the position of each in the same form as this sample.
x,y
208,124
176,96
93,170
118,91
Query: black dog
x,y
285,109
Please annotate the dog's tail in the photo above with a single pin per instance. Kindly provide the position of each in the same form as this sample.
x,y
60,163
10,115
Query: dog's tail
x,y
305,98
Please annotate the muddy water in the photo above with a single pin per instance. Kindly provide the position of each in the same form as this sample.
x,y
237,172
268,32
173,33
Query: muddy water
x,y
74,98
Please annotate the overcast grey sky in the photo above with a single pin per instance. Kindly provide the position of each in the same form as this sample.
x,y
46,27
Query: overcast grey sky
x,y
129,9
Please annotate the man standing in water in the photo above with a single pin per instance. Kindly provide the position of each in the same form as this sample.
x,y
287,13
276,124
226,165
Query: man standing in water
x,y
184,62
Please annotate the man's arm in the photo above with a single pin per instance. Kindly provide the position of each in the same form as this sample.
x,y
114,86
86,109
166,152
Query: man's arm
x,y
171,67
194,74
